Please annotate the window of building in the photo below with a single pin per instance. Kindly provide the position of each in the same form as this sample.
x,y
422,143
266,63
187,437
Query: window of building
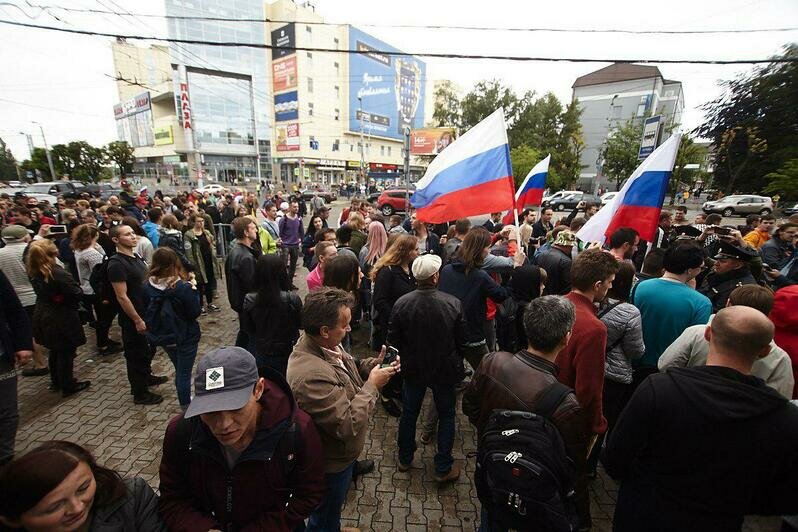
x,y
309,31
389,151
337,114
310,59
335,45
314,145
616,112
310,85
337,92
336,145
642,106
337,67
382,150
351,147
310,108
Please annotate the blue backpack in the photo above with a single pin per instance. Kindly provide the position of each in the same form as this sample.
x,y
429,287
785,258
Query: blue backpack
x,y
165,322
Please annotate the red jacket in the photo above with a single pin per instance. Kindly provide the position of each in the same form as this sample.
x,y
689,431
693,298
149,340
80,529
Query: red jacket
x,y
784,316
581,363
198,492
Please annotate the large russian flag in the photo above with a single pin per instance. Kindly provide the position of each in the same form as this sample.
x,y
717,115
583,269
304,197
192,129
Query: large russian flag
x,y
472,176
639,202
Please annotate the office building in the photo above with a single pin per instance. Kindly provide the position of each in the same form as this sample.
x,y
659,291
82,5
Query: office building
x,y
615,94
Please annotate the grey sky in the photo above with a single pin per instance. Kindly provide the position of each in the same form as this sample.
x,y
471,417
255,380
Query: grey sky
x,y
49,73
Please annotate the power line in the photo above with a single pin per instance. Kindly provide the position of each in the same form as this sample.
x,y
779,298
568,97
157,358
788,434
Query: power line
x,y
51,108
408,54
421,26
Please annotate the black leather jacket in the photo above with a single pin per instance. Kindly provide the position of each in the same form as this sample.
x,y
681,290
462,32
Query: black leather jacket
x,y
239,273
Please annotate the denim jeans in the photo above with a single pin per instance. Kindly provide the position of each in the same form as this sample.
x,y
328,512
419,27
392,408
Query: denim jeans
x,y
412,397
182,357
327,515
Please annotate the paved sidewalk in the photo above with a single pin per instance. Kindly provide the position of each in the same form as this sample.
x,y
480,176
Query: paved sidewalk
x,y
127,437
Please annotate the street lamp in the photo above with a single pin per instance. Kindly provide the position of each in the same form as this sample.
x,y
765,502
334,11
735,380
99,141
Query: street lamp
x,y
47,150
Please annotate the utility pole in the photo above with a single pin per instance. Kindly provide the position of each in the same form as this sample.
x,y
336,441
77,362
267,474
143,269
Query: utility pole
x,y
255,131
362,146
407,167
49,155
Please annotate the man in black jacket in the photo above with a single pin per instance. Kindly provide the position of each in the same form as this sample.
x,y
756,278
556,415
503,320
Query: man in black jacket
x,y
541,228
16,348
557,262
730,271
239,270
699,448
427,326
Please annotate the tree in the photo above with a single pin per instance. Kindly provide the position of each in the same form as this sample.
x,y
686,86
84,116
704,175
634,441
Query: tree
x,y
689,153
8,165
484,99
38,164
620,151
66,158
784,181
754,125
121,154
524,159
91,162
446,111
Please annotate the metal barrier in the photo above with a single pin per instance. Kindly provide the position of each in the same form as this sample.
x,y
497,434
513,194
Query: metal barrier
x,y
224,238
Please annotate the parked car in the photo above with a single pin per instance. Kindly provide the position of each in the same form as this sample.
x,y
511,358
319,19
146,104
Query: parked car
x,y
570,201
789,211
51,190
392,200
212,188
557,195
374,196
608,197
740,204
328,195
102,190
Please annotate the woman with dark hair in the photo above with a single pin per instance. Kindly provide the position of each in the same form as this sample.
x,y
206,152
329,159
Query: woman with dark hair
x,y
464,279
59,486
342,271
309,241
56,322
392,279
527,283
173,307
143,244
272,314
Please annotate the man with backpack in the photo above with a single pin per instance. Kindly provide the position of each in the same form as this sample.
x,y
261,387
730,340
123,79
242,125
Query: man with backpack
x,y
244,456
127,272
540,426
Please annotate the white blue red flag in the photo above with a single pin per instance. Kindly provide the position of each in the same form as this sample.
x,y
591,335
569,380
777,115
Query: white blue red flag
x,y
639,202
531,190
472,176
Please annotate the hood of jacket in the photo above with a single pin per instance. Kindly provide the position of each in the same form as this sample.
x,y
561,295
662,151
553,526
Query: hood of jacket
x,y
163,285
783,314
725,393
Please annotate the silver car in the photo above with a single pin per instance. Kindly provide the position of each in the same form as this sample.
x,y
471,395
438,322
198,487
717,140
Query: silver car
x,y
740,204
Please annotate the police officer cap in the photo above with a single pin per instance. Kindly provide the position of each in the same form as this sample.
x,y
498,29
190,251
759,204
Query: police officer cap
x,y
727,250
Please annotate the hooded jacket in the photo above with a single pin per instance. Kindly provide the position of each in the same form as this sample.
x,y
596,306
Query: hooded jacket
x,y
173,239
625,337
785,318
699,448
191,244
239,274
261,492
137,511
187,307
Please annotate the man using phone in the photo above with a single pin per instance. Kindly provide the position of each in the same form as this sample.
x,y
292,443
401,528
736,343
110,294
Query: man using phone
x,y
427,327
731,270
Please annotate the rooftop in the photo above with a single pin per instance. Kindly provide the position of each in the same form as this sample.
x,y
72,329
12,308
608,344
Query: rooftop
x,y
617,72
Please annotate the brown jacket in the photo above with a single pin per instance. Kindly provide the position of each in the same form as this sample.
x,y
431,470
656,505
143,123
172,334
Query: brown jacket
x,y
335,397
509,381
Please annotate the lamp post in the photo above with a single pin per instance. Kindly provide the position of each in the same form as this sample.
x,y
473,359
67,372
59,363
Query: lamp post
x,y
47,150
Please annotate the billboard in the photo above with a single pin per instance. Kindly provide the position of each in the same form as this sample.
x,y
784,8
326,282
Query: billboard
x,y
134,121
287,137
430,140
286,106
650,136
164,135
391,88
284,74
281,38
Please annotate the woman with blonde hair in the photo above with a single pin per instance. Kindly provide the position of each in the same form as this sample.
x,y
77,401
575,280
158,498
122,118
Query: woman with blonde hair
x,y
173,307
358,224
56,321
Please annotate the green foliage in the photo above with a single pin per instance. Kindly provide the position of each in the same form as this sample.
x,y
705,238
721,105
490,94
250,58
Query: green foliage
x,y
524,159
38,163
121,154
620,151
689,153
446,111
486,97
754,125
79,160
784,181
8,165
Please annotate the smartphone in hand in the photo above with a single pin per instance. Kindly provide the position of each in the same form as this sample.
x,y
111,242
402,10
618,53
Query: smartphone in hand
x,y
391,354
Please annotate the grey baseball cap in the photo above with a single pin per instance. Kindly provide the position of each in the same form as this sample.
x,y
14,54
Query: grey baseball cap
x,y
224,380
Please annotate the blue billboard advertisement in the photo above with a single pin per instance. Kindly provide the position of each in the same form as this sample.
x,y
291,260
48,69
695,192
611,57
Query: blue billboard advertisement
x,y
392,88
286,106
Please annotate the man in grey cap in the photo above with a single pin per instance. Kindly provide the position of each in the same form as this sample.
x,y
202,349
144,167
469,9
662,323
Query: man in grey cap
x,y
427,327
243,456
731,269
12,264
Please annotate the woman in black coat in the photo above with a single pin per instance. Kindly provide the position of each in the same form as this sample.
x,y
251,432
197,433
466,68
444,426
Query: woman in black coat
x,y
56,321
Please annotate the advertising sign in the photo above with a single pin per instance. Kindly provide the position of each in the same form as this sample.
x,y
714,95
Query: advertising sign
x,y
391,88
137,104
286,106
287,137
134,120
650,136
281,38
184,106
284,75
430,140
164,135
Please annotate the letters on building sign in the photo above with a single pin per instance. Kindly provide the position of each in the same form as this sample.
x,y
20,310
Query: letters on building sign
x,y
185,106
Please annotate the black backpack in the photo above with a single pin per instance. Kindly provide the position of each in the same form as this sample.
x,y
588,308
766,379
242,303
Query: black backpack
x,y
524,475
507,324
101,285
165,322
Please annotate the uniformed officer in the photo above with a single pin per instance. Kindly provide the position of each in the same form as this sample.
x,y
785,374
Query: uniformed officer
x,y
731,269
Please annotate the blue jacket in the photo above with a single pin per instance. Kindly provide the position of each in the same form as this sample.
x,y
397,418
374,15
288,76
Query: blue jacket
x,y
473,290
15,327
153,232
188,301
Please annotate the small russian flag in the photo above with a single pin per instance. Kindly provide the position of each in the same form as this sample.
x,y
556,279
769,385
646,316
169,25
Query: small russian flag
x,y
531,190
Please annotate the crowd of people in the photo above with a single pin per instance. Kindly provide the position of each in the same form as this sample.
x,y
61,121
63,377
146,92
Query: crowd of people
x,y
671,362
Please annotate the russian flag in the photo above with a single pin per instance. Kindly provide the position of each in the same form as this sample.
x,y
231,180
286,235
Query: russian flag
x,y
472,176
639,202
531,190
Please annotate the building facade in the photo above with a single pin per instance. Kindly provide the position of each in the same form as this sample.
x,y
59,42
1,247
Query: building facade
x,y
615,94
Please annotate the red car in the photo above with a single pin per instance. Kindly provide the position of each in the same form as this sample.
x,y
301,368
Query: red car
x,y
392,200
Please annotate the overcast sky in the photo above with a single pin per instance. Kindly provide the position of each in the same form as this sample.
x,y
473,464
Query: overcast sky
x,y
62,81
